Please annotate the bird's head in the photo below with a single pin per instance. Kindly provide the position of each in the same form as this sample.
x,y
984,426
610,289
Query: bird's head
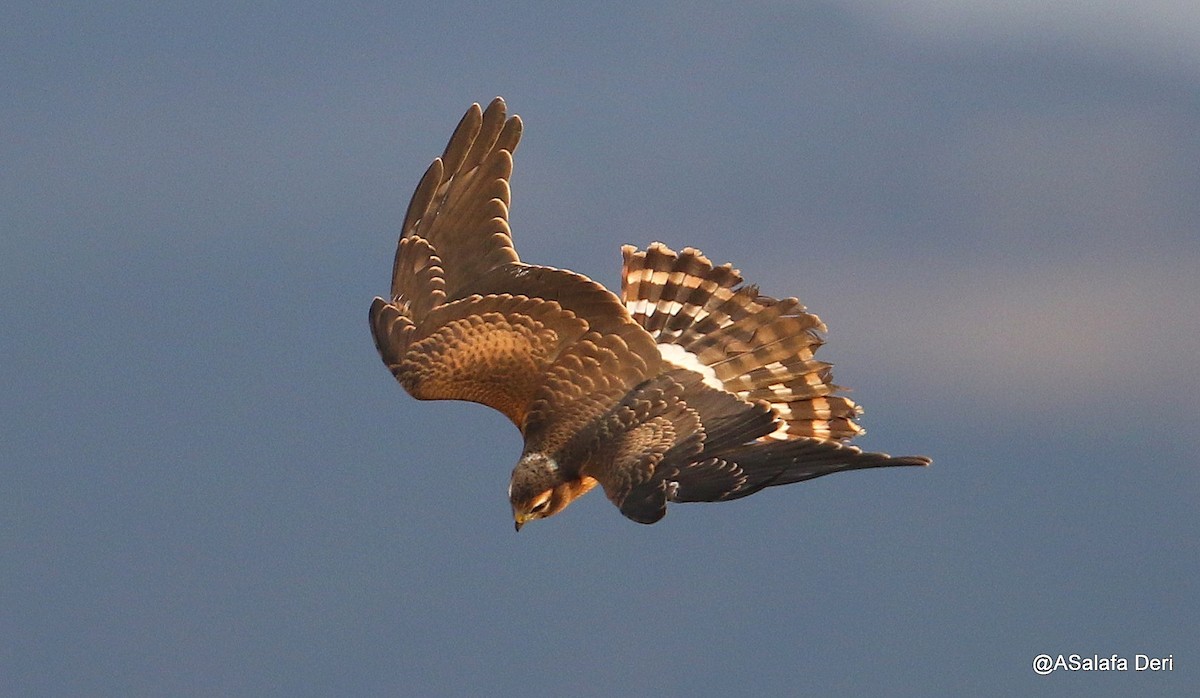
x,y
539,488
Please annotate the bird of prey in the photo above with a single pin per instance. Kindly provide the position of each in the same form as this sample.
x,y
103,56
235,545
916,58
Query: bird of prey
x,y
690,386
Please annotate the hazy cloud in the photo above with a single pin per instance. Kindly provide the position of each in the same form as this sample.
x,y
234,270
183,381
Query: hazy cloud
x,y
1165,31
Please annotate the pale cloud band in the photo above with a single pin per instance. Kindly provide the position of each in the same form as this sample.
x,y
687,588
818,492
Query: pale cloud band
x,y
1164,31
1037,336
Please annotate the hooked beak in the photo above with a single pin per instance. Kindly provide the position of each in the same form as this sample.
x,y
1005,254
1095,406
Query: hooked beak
x,y
519,521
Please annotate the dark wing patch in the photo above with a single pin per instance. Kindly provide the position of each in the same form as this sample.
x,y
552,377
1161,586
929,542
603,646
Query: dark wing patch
x,y
623,448
707,422
747,471
768,464
659,426
729,423
732,459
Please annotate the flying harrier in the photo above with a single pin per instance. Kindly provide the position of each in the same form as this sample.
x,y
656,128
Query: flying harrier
x,y
689,387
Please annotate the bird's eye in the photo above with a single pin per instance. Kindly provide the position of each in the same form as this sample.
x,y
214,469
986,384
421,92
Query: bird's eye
x,y
540,506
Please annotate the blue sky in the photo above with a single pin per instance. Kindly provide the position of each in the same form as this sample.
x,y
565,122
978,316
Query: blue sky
x,y
212,486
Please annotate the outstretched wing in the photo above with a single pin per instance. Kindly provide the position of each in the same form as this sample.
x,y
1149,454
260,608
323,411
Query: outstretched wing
x,y
675,439
745,471
466,319
654,428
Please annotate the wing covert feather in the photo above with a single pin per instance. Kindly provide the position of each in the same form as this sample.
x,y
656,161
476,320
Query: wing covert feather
x,y
587,380
494,350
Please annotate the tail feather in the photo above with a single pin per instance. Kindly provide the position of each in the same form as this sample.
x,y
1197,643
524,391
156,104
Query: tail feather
x,y
753,346
769,362
736,334
668,293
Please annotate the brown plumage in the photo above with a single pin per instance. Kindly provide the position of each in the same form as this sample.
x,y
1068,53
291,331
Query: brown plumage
x,y
690,387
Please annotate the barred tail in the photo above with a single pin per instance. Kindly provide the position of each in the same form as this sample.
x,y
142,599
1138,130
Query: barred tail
x,y
759,348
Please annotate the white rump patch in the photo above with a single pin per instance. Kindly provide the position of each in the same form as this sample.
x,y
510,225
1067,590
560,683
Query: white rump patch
x,y
682,358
